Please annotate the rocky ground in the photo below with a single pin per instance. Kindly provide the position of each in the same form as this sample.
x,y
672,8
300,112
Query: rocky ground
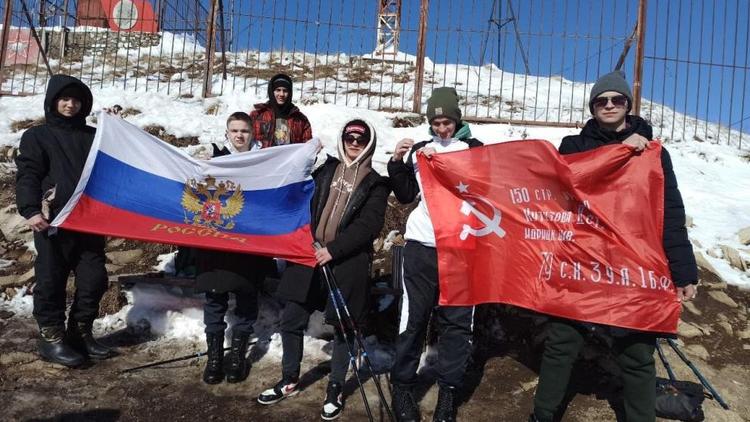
x,y
500,383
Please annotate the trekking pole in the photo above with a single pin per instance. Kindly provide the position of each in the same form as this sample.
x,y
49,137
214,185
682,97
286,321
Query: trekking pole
x,y
181,358
664,361
350,348
328,274
698,374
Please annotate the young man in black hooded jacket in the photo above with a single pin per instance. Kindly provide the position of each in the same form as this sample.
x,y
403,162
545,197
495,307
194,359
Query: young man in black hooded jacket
x,y
50,161
609,103
278,121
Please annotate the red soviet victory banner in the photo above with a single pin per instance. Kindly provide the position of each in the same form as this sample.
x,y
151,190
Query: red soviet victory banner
x,y
577,236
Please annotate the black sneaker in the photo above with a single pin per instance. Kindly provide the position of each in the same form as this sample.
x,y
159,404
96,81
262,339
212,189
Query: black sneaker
x,y
334,403
279,392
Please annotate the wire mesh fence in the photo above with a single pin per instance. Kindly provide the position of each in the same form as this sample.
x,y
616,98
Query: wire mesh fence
x,y
696,70
530,61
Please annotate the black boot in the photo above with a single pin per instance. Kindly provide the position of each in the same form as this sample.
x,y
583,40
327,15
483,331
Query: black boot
x,y
404,406
214,372
80,337
237,371
445,410
52,348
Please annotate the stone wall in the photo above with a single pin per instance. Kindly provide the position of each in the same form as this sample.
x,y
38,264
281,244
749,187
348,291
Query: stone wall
x,y
100,42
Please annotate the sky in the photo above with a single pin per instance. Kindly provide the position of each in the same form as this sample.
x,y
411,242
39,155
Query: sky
x,y
578,39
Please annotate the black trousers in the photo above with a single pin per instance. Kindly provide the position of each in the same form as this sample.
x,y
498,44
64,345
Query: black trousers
x,y
454,322
633,352
57,256
294,319
246,312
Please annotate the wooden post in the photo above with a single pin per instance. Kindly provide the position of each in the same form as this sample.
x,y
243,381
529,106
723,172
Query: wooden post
x,y
417,104
639,50
210,48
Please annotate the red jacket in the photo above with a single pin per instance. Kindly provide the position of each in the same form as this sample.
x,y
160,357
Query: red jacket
x,y
264,125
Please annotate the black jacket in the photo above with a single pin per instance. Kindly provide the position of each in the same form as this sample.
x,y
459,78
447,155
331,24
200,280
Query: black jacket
x,y
351,249
54,153
677,246
222,271
403,178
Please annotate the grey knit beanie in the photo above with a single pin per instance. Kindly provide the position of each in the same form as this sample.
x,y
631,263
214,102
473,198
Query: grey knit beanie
x,y
614,81
443,102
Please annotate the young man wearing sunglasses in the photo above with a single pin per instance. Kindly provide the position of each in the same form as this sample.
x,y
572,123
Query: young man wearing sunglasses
x,y
347,213
609,103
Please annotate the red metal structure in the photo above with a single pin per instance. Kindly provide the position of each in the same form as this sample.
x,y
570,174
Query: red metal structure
x,y
118,15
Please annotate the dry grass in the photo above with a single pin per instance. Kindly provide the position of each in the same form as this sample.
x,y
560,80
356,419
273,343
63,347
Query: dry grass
x,y
408,120
161,133
213,109
19,125
368,92
130,111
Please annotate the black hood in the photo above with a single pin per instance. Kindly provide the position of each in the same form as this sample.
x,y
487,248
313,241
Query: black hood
x,y
56,85
593,132
284,109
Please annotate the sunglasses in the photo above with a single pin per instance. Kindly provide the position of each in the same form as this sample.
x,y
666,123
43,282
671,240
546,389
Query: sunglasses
x,y
617,101
361,140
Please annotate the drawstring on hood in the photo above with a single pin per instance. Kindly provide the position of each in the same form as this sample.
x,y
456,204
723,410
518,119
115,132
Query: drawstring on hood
x,y
348,175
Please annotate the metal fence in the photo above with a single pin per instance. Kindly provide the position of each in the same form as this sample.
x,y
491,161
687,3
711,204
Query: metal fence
x,y
520,61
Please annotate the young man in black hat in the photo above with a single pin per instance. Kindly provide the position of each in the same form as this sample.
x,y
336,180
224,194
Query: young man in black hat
x,y
50,162
421,288
610,101
278,121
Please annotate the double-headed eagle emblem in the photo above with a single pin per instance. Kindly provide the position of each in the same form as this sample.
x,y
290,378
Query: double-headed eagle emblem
x,y
212,205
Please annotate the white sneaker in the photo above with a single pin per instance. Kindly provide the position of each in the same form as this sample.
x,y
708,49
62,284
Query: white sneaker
x,y
279,392
334,403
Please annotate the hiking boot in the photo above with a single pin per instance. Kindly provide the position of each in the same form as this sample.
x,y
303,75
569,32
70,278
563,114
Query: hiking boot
x,y
214,372
81,338
52,348
445,410
334,403
237,371
280,391
404,406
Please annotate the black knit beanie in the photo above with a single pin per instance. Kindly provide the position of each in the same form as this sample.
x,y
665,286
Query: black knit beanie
x,y
280,80
614,81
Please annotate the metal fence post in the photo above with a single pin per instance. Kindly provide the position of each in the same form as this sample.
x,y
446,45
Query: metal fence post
x,y
639,50
4,37
36,37
63,35
417,104
210,48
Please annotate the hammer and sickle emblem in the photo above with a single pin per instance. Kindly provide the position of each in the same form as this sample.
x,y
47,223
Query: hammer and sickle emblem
x,y
490,225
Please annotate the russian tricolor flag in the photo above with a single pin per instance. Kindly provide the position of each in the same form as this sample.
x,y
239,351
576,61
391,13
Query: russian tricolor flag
x,y
136,186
